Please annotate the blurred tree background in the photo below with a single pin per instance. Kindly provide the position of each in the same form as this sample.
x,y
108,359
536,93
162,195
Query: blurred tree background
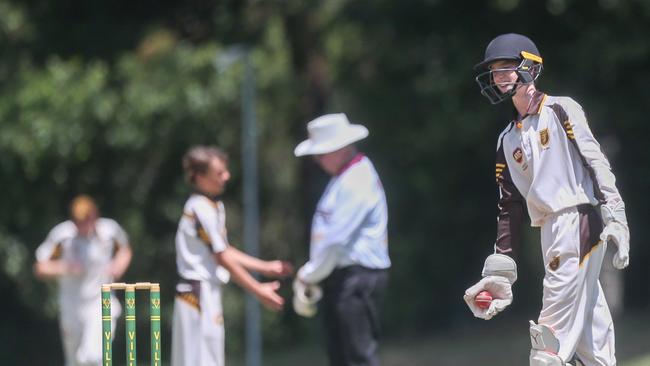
x,y
104,98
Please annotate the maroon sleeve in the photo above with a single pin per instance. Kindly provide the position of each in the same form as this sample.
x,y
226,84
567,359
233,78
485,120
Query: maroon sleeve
x,y
511,210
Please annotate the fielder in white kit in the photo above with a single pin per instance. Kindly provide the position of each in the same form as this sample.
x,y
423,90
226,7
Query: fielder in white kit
x,y
550,164
83,254
205,261
348,252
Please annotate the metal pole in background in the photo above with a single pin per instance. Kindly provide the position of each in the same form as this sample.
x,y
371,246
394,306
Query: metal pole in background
x,y
222,62
251,207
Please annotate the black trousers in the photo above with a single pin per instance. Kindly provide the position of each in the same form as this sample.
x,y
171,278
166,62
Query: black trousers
x,y
351,312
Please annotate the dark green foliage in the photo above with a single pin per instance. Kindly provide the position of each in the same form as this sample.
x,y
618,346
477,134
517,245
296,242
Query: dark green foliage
x,y
104,98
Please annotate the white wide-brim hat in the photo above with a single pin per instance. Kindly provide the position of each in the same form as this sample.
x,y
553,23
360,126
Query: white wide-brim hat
x,y
329,133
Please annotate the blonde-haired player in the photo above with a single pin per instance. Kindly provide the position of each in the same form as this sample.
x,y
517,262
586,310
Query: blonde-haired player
x,y
205,262
82,254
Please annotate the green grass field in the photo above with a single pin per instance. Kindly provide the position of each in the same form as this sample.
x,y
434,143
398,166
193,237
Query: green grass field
x,y
500,344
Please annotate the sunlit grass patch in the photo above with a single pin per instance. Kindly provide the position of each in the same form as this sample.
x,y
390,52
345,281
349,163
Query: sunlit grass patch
x,y
639,361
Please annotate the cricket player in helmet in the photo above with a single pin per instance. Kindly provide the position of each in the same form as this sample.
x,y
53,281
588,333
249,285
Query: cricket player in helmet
x,y
526,64
550,165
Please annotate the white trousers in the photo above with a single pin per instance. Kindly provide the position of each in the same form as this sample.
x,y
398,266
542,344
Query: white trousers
x,y
198,332
81,331
573,303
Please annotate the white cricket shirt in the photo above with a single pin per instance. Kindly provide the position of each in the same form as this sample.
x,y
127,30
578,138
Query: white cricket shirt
x,y
548,170
201,233
93,253
349,226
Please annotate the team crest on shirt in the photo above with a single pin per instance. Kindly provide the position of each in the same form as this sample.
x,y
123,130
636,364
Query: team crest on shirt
x,y
518,155
544,138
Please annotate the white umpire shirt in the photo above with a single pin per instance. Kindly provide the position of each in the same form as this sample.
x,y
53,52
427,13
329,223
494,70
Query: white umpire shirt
x,y
545,166
349,226
93,253
201,233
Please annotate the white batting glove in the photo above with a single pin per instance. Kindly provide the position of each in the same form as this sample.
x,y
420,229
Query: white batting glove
x,y
616,231
305,298
501,290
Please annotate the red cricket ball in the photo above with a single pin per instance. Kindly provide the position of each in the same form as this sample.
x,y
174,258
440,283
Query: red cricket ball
x,y
483,299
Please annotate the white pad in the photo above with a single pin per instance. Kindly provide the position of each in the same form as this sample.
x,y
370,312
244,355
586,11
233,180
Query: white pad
x,y
541,358
543,338
545,346
305,298
500,265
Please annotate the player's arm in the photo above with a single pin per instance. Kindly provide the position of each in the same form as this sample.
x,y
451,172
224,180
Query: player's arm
x,y
500,269
274,268
51,269
229,258
123,252
49,263
511,210
320,266
575,123
121,261
612,206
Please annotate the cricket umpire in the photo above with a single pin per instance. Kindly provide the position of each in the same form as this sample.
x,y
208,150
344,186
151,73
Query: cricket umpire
x,y
550,165
348,256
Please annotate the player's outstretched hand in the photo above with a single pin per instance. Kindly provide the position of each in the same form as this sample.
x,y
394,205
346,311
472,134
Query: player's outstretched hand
x,y
278,269
501,290
269,297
